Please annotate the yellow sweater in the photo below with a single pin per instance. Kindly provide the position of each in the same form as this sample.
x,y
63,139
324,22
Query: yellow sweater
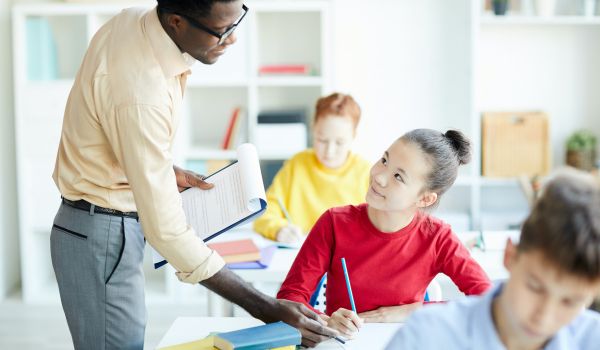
x,y
308,188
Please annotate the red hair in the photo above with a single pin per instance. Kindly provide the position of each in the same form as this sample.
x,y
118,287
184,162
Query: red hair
x,y
338,104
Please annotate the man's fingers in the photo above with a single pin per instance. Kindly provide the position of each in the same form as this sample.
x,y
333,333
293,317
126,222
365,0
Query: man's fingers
x,y
196,180
315,323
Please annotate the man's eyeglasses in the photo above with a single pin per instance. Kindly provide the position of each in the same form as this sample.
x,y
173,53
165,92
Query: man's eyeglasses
x,y
222,36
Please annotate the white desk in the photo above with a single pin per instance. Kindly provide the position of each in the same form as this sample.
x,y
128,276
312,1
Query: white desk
x,y
490,260
372,336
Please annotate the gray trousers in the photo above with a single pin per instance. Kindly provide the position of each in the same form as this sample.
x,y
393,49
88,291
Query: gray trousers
x,y
97,260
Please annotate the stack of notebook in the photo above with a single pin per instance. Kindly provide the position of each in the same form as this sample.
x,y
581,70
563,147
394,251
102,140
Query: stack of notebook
x,y
244,254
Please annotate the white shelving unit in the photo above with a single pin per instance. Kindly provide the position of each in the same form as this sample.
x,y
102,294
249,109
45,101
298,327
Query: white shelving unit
x,y
482,63
532,63
211,95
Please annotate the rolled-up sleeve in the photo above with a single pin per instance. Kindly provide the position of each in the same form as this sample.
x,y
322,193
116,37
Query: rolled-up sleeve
x,y
141,138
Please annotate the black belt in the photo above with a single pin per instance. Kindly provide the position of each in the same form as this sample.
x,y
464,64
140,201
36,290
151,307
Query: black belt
x,y
85,205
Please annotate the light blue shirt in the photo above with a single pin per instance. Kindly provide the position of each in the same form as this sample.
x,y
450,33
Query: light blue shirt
x,y
468,324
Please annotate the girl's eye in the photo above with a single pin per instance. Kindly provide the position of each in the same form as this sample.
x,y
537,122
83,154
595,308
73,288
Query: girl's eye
x,y
533,287
398,177
383,161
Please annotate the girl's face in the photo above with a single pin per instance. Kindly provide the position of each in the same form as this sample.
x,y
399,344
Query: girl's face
x,y
397,180
333,137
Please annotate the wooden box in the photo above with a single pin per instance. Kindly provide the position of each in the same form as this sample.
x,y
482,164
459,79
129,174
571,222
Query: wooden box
x,y
515,144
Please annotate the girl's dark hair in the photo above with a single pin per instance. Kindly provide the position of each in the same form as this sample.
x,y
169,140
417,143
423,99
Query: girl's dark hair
x,y
192,8
564,224
446,151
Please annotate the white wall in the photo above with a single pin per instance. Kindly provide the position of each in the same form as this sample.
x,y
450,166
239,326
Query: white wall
x,y
9,247
401,59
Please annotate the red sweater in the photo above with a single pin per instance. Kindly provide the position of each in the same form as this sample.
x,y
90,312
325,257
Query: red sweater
x,y
385,269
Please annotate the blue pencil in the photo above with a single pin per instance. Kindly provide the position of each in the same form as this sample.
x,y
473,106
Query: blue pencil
x,y
348,285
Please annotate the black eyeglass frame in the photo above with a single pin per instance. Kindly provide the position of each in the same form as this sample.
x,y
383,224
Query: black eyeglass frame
x,y
222,36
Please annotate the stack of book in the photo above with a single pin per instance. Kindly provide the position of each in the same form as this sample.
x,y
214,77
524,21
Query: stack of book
x,y
243,250
272,336
243,254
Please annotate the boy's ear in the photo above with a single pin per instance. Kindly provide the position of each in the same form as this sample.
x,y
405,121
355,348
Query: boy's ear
x,y
510,254
427,199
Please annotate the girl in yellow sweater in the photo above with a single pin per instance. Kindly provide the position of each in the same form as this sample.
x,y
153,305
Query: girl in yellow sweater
x,y
317,179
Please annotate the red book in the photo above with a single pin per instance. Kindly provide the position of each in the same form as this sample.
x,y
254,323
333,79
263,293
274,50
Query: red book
x,y
237,251
229,130
285,69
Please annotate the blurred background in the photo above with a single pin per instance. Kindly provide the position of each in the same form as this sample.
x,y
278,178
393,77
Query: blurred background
x,y
519,77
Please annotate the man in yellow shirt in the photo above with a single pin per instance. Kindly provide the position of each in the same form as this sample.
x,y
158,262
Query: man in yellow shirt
x,y
317,179
115,171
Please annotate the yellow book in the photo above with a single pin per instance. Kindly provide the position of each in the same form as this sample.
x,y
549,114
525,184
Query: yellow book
x,y
202,344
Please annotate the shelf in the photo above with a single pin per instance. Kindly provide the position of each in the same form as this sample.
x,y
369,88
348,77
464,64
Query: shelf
x,y
217,83
498,182
289,80
535,20
209,153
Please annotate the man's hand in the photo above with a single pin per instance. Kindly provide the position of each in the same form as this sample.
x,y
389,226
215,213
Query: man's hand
x,y
187,178
390,313
313,329
230,286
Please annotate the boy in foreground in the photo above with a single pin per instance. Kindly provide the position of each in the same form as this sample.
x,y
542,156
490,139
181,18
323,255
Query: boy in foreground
x,y
554,276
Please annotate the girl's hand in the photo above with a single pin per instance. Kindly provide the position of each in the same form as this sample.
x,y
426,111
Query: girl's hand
x,y
290,234
345,321
387,314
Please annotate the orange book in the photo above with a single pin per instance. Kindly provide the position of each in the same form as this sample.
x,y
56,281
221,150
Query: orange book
x,y
237,251
235,130
229,130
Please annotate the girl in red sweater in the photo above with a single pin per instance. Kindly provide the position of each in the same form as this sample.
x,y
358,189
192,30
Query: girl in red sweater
x,y
393,249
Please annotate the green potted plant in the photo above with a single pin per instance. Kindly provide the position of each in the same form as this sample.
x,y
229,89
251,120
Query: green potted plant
x,y
581,150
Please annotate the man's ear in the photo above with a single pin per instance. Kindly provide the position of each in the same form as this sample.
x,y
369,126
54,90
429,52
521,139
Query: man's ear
x,y
427,199
510,254
175,22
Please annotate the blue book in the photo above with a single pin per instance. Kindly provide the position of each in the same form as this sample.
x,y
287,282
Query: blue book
x,y
268,336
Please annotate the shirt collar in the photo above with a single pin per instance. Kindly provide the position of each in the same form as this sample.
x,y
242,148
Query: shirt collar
x,y
168,55
485,335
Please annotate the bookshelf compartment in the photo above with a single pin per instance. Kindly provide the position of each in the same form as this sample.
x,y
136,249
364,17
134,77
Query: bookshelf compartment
x,y
55,46
209,113
286,98
274,46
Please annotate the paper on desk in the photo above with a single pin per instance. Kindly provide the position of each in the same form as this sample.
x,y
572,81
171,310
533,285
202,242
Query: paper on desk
x,y
238,196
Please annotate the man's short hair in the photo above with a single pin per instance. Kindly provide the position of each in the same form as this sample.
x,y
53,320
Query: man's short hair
x,y
192,8
564,224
